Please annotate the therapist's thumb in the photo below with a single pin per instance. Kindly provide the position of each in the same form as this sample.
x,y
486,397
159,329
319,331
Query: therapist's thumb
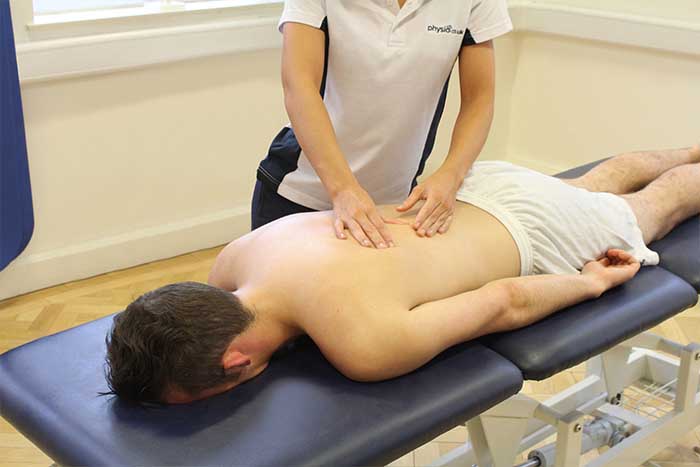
x,y
412,199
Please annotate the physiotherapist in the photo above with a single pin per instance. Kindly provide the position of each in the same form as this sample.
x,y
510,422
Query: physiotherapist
x,y
365,84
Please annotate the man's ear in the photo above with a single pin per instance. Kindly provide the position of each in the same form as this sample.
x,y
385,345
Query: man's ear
x,y
232,358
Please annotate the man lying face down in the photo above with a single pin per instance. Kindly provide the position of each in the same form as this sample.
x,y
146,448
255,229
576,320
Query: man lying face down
x,y
522,245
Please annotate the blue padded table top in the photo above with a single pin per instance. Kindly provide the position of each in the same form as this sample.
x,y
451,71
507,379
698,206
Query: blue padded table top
x,y
679,251
577,333
300,411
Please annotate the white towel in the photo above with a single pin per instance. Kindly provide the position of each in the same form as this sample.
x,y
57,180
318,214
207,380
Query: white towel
x,y
557,227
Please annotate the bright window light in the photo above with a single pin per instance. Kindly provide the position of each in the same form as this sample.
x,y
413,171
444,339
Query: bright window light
x,y
43,7
48,12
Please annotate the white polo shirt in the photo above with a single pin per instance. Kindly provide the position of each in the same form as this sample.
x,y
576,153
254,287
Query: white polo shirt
x,y
385,82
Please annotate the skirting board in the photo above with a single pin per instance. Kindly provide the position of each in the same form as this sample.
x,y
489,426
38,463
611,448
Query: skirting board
x,y
40,270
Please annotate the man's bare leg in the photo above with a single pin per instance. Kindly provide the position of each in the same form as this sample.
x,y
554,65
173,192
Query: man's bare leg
x,y
633,171
667,201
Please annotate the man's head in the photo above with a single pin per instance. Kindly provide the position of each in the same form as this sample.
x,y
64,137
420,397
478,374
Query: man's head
x,y
172,341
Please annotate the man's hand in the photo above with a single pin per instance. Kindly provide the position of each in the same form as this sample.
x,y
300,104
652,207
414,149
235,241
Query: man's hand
x,y
355,210
439,192
613,269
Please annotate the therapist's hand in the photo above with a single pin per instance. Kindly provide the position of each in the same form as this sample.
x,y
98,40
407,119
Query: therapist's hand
x,y
439,192
355,210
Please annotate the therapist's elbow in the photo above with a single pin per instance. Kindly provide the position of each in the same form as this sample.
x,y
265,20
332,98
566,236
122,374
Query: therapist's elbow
x,y
299,89
481,103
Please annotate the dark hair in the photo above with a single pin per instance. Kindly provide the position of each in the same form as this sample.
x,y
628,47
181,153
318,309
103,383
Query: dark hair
x,y
173,337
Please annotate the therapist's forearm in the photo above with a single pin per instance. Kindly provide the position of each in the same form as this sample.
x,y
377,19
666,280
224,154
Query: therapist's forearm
x,y
469,135
315,133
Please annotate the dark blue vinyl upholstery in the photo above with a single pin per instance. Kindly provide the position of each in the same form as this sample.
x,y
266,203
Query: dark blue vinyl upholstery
x,y
580,170
679,251
575,334
300,411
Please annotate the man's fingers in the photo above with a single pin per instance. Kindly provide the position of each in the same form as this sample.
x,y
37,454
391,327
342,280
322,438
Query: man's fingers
x,y
339,227
358,233
412,199
620,256
604,261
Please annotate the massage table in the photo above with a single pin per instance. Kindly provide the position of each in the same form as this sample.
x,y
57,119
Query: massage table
x,y
301,411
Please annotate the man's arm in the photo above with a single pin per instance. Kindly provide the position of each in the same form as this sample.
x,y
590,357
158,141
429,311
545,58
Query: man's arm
x,y
502,305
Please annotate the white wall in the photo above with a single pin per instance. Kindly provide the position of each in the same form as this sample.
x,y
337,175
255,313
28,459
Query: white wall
x,y
134,166
683,10
580,100
496,145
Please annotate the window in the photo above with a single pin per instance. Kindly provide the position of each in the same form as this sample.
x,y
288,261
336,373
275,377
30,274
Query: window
x,y
44,7
62,38
66,11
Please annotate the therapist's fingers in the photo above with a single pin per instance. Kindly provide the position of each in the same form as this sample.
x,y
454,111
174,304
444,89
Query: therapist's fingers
x,y
339,227
415,196
372,232
438,223
431,225
396,221
358,233
425,212
446,225
381,227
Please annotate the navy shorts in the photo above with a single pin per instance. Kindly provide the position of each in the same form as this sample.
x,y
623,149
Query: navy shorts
x,y
268,205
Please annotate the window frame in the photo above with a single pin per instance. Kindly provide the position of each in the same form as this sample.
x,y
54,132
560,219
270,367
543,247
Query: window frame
x,y
96,43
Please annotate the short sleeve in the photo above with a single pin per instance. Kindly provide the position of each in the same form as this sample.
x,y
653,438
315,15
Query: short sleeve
x,y
311,12
488,19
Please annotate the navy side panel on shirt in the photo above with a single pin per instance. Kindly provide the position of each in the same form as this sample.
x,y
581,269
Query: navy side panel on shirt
x,y
283,155
468,39
430,141
432,133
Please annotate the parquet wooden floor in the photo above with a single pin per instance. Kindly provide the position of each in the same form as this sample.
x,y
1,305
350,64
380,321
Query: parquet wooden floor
x,y
28,317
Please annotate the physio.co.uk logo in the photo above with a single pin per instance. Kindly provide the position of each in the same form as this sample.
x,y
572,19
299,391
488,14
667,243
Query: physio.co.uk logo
x,y
449,29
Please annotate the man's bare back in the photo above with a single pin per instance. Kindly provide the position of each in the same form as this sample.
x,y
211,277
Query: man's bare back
x,y
476,250
338,291
380,313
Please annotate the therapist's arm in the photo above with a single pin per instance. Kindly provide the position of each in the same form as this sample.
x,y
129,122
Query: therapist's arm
x,y
477,88
302,72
